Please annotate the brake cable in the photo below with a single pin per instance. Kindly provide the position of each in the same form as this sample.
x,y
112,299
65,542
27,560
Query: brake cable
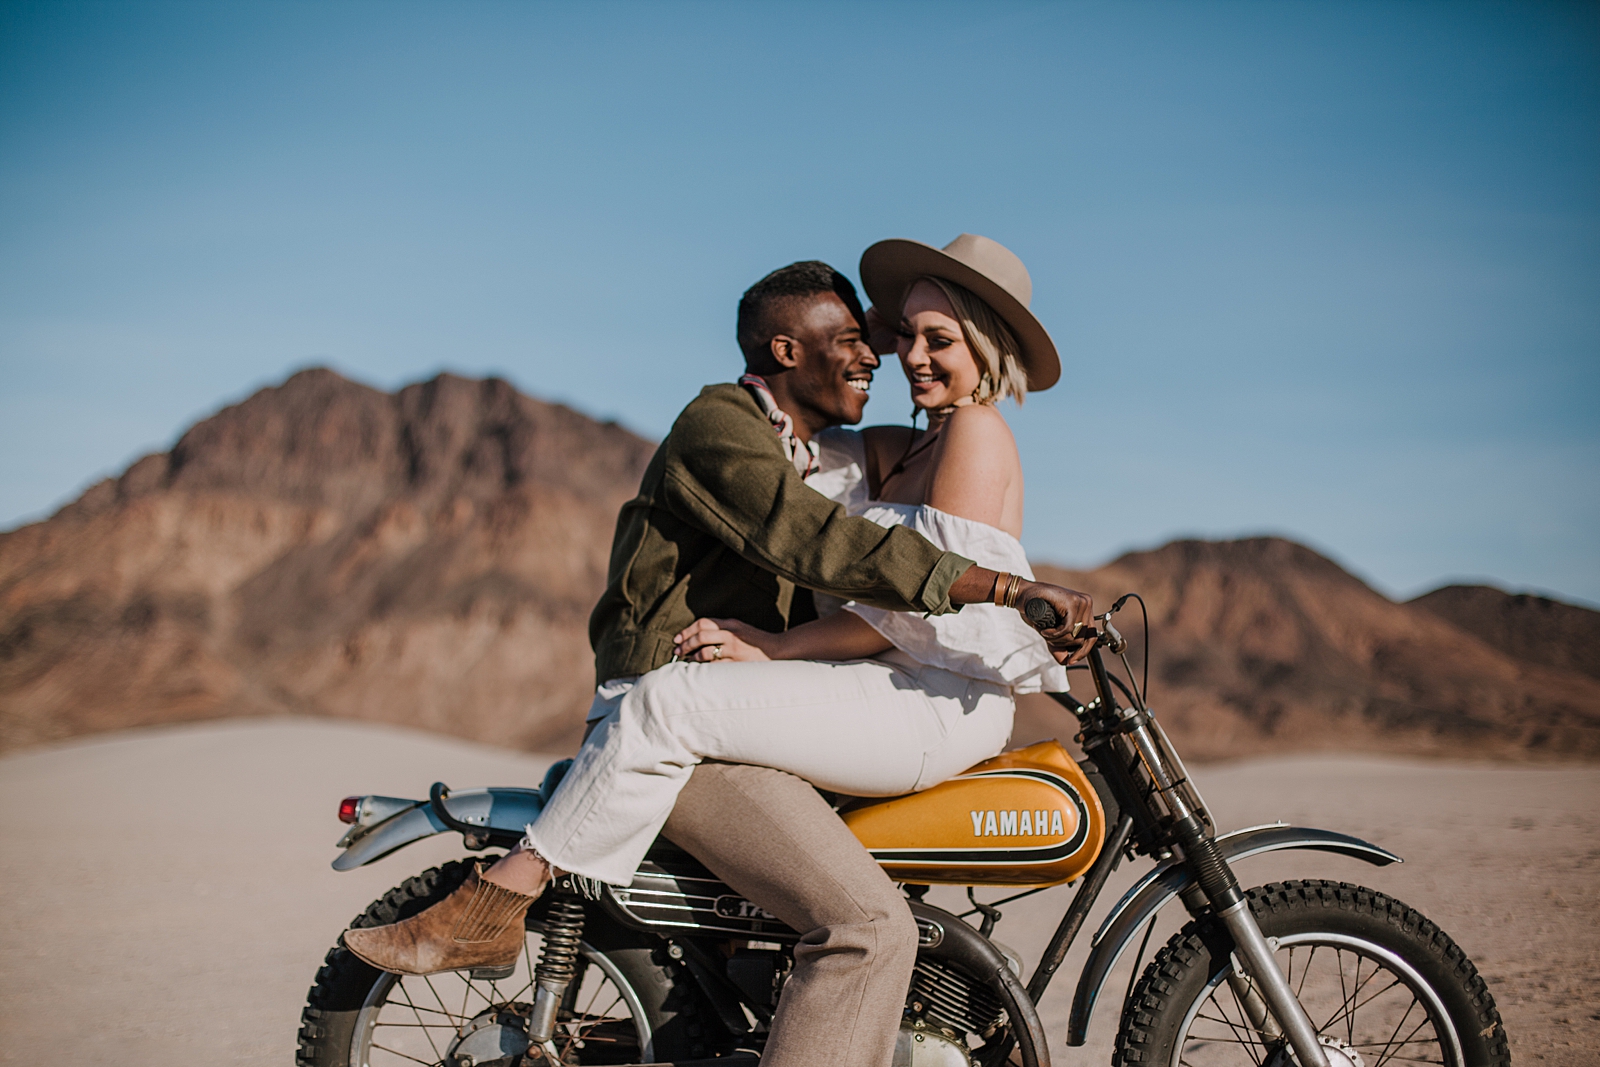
x,y
1144,613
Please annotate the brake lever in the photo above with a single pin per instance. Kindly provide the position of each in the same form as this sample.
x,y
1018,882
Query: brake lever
x,y
1114,642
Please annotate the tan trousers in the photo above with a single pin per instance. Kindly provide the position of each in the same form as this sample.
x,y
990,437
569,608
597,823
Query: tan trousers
x,y
772,838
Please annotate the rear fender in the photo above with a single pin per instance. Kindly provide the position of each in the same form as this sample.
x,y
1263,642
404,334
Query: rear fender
x,y
503,813
1160,886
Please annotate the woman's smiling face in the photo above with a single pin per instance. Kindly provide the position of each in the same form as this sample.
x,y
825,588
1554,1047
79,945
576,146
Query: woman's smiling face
x,y
933,350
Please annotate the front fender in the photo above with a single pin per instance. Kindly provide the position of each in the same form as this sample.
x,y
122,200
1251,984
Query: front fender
x,y
502,812
1158,888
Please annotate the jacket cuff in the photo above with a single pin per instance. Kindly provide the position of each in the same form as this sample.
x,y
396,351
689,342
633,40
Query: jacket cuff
x,y
935,593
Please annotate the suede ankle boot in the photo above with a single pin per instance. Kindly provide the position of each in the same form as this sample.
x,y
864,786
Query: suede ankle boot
x,y
478,927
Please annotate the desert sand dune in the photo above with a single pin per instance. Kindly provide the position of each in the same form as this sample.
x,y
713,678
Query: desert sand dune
x,y
171,896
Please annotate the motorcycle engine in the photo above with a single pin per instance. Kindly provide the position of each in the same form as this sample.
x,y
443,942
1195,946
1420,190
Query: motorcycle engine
x,y
944,1006
919,1046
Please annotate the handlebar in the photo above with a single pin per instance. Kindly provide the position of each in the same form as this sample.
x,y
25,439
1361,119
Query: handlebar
x,y
1042,614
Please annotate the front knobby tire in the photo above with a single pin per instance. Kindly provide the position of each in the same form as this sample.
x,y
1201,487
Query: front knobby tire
x,y
1382,984
628,1000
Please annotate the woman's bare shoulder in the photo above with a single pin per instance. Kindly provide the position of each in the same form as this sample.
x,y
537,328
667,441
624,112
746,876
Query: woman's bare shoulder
x,y
977,470
978,453
978,425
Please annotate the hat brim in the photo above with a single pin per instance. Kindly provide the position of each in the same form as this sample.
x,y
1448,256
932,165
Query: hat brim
x,y
889,267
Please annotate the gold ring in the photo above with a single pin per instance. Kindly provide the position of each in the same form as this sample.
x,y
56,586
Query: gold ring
x,y
716,651
1076,627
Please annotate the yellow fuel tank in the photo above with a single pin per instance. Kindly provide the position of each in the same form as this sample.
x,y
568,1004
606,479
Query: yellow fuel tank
x,y
1027,817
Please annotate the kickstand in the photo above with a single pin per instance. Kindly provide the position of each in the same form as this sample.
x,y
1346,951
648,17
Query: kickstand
x,y
991,915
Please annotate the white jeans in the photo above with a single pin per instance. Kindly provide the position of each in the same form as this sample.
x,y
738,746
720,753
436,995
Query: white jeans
x,y
877,727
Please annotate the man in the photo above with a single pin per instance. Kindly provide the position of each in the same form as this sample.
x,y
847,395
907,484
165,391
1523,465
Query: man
x,y
724,526
770,835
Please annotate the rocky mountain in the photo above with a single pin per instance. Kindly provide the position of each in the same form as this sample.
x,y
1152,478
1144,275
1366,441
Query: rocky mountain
x,y
1528,627
1262,644
427,558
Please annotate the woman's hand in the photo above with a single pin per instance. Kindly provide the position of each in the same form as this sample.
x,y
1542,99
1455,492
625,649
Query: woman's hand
x,y
723,640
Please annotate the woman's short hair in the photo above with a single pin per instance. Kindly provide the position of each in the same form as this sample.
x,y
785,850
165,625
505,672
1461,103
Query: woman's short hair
x,y
993,345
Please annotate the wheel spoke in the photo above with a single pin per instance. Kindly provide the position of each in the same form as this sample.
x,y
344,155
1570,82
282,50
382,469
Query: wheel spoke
x,y
428,1033
1347,1008
402,1055
1357,1007
1389,1045
1306,969
428,981
1397,1044
1344,990
1238,1037
1388,1054
1226,1041
1244,1034
430,1011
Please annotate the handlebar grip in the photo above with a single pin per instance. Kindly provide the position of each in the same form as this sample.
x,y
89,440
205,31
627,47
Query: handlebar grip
x,y
1041,613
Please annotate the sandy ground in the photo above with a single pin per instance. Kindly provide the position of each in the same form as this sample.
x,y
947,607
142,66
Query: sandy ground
x,y
171,896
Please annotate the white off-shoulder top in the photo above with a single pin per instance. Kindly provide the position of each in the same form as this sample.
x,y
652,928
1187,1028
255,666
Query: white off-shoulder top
x,y
980,641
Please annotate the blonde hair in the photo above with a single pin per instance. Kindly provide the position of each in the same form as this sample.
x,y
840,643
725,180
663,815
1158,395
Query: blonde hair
x,y
991,341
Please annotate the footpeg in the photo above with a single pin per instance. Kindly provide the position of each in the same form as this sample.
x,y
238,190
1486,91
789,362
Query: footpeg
x,y
493,974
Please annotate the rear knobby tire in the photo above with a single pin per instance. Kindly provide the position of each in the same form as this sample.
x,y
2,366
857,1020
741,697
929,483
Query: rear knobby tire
x,y
1414,983
331,1020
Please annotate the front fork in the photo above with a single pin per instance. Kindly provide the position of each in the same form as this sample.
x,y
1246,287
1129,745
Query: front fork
x,y
1255,1009
1251,949
1190,827
1221,888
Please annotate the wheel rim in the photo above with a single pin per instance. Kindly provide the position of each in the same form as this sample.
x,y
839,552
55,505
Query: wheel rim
x,y
1362,997
410,1020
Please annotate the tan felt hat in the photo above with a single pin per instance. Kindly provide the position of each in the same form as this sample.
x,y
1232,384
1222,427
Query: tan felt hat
x,y
987,268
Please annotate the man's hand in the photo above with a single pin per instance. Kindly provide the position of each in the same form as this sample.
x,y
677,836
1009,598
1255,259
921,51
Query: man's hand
x,y
882,335
1074,634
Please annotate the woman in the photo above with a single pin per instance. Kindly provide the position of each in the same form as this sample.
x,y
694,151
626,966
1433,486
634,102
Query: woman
x,y
913,701
959,483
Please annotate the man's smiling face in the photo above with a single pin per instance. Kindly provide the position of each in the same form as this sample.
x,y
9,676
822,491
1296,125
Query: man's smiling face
x,y
833,365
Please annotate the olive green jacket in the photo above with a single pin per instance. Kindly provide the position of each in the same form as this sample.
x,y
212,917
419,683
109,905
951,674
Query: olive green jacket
x,y
723,527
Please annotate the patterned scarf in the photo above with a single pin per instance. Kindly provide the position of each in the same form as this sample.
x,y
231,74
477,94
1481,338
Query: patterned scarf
x,y
802,454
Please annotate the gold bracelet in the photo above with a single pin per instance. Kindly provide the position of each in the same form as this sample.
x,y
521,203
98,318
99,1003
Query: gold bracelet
x,y
1000,583
1013,588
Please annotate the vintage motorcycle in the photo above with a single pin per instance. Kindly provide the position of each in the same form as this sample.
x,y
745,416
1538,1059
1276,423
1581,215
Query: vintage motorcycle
x,y
678,968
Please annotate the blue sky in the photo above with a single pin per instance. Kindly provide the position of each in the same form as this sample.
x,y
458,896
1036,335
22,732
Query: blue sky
x,y
1325,270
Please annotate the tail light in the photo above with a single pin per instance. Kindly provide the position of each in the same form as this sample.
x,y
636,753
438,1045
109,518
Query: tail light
x,y
350,809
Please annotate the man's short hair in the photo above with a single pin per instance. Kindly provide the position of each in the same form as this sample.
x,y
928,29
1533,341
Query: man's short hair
x,y
763,304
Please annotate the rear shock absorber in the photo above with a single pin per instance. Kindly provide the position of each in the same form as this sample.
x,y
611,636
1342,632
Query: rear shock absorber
x,y
558,961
